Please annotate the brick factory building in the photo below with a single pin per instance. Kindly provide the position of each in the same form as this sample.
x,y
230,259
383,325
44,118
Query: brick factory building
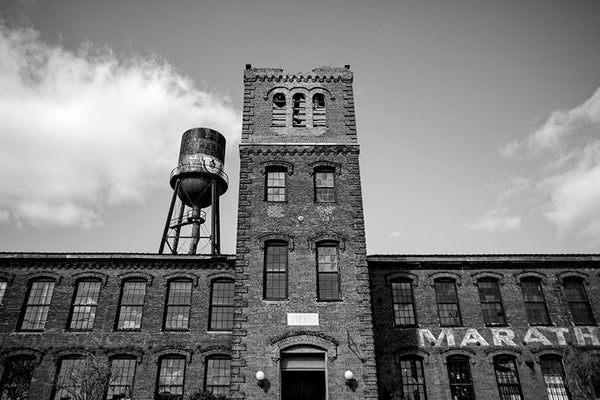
x,y
300,311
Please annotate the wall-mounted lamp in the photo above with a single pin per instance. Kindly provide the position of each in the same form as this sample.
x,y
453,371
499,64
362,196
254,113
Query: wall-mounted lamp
x,y
260,378
350,381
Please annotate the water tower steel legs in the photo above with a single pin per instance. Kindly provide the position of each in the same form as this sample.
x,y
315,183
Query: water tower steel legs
x,y
161,248
215,231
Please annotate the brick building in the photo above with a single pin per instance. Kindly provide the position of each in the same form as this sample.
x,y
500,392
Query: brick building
x,y
300,312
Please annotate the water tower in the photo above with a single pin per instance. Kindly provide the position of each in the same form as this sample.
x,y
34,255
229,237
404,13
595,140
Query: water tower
x,y
198,182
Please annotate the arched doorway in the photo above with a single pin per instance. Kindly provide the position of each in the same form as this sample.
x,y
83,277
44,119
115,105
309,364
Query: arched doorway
x,y
303,374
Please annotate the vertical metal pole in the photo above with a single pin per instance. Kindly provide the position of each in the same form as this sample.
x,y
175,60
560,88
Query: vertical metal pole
x,y
167,223
178,227
215,233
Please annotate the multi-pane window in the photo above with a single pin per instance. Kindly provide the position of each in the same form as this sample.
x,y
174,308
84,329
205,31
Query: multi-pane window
x,y
507,378
221,306
459,376
578,302
324,185
218,372
491,302
328,276
71,379
37,305
413,379
402,297
83,309
275,185
319,118
535,303
179,301
447,302
170,378
17,378
132,305
279,109
554,377
299,110
3,285
122,372
276,265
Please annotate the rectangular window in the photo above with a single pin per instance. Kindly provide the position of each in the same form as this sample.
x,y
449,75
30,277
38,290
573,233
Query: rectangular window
x,y
447,302
218,372
413,379
554,377
3,285
70,381
37,305
170,378
83,310
16,379
221,306
535,303
459,375
324,186
507,378
491,302
578,302
132,305
122,372
402,297
328,277
179,301
275,281
276,185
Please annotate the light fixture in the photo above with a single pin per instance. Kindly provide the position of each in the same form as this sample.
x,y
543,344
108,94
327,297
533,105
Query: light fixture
x,y
348,375
260,377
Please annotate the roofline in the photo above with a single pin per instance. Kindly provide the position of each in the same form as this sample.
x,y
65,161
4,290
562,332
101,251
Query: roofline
x,y
453,258
115,256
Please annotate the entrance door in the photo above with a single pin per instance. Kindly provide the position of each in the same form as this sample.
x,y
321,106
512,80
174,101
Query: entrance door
x,y
303,375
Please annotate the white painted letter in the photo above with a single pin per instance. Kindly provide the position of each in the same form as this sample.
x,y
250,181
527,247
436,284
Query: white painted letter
x,y
473,337
425,334
560,334
592,335
534,335
503,336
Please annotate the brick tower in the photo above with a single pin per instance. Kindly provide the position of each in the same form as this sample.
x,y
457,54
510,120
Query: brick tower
x,y
303,312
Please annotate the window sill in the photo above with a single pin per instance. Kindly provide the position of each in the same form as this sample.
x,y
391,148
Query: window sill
x,y
29,332
215,332
330,300
175,330
496,325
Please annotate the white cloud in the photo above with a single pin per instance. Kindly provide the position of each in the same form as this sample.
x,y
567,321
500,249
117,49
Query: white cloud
x,y
396,234
83,131
497,220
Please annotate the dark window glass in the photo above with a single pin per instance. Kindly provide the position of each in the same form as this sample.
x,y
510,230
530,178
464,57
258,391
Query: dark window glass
x,y
491,302
37,305
122,372
170,378
413,379
279,109
179,300
402,297
324,185
221,306
319,117
535,303
447,302
83,309
3,285
17,378
554,377
218,371
299,112
507,378
132,305
275,188
328,277
71,378
578,302
276,264
459,375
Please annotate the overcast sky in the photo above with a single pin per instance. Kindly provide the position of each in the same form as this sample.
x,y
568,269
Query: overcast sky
x,y
479,121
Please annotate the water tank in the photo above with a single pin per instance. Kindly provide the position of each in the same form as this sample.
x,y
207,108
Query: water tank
x,y
201,162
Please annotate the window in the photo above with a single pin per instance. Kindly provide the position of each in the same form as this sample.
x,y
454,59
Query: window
x,y
83,309
131,305
535,303
3,285
71,379
413,379
170,378
578,302
459,376
507,378
447,302
37,305
17,378
275,188
328,276
319,118
554,377
402,297
299,112
221,306
324,185
491,302
279,110
218,371
122,372
276,264
179,300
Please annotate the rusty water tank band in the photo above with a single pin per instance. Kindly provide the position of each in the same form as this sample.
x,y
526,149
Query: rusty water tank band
x,y
202,141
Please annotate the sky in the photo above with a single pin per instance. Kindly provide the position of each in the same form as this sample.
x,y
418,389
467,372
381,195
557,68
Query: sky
x,y
479,121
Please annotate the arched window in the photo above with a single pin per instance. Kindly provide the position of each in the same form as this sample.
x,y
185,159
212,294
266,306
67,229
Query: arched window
x,y
491,301
221,305
217,375
319,115
447,302
554,377
403,300
85,303
122,373
71,380
131,304
324,185
279,110
507,378
179,301
171,373
299,110
275,284
459,376
275,184
16,379
535,302
578,302
37,305
412,377
328,271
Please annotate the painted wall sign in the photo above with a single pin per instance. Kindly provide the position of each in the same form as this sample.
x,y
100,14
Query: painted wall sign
x,y
303,319
541,335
